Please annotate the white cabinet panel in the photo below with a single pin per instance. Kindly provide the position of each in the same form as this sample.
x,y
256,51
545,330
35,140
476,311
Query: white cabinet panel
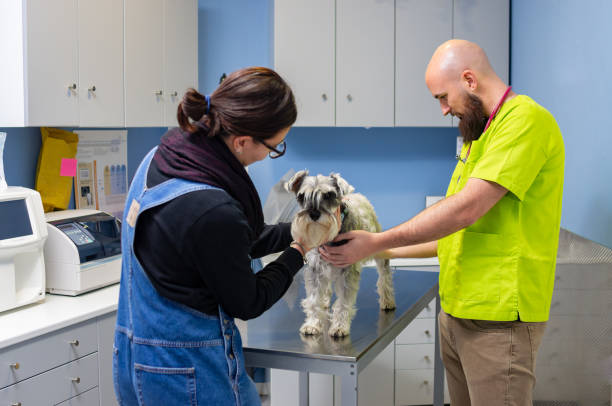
x,y
365,32
42,354
304,55
56,385
421,26
416,387
143,63
180,54
420,331
486,22
101,63
51,60
415,356
106,338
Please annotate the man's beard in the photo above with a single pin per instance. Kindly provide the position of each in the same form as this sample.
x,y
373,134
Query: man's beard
x,y
473,120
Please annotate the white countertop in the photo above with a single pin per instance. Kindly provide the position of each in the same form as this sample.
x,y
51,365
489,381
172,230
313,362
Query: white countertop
x,y
54,313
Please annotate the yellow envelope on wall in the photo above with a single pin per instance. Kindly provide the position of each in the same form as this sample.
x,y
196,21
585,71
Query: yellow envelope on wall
x,y
54,189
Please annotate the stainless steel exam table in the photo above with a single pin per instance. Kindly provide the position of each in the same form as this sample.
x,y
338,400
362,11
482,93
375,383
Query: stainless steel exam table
x,y
274,341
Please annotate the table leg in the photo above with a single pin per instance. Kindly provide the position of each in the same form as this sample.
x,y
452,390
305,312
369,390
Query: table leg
x,y
438,366
304,386
350,389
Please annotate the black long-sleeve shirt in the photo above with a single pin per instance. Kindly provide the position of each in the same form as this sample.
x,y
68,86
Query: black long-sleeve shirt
x,y
196,249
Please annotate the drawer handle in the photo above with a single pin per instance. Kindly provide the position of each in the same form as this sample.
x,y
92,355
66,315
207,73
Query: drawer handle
x,y
425,382
76,380
426,358
174,93
158,92
92,89
16,404
324,97
427,333
14,365
74,342
72,86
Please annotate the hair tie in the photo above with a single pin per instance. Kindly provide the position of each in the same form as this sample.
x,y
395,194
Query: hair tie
x,y
207,97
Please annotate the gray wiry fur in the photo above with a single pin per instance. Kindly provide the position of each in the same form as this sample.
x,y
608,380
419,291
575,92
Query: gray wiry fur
x,y
319,197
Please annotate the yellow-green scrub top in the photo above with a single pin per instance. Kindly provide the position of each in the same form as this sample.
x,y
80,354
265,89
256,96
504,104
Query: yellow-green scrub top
x,y
502,267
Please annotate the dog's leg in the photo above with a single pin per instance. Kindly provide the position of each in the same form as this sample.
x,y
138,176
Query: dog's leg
x,y
316,282
384,285
343,311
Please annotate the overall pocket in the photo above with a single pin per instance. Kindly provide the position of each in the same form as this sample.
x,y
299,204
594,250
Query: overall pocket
x,y
165,386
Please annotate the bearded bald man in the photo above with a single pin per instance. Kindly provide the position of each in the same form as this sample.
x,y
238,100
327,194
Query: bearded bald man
x,y
496,233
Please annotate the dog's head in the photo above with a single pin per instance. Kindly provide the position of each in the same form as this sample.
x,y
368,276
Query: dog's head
x,y
320,198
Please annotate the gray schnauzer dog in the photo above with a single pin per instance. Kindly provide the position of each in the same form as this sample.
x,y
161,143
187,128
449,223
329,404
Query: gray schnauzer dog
x,y
328,207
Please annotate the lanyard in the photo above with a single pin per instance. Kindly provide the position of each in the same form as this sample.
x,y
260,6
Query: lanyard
x,y
491,117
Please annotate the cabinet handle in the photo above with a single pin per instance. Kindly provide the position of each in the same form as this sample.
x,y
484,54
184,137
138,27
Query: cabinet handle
x,y
174,94
74,342
426,358
158,92
425,382
349,97
16,404
76,380
14,365
427,333
92,89
324,97
72,86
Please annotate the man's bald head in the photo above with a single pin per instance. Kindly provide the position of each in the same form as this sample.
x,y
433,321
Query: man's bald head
x,y
454,57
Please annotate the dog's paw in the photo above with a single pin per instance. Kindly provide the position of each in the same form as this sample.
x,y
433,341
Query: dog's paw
x,y
310,329
387,304
336,330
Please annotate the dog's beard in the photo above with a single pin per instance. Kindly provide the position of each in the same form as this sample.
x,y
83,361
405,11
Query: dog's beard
x,y
473,120
314,233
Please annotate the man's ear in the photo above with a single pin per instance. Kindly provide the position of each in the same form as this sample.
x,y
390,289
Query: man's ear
x,y
468,77
343,186
294,184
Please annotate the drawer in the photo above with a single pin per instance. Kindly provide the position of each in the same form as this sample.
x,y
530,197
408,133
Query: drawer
x,y
415,387
414,356
89,398
420,331
54,386
46,352
429,311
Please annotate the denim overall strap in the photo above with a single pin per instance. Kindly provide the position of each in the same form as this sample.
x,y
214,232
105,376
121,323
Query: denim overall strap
x,y
167,352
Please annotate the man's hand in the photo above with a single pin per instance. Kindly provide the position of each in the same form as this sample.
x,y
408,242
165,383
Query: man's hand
x,y
361,244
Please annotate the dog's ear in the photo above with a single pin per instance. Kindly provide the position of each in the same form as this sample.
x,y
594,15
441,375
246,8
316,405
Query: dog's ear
x,y
294,184
343,186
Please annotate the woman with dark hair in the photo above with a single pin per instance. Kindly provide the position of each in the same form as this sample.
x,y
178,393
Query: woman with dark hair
x,y
192,223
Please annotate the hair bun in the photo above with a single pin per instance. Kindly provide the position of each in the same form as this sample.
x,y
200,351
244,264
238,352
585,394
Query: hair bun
x,y
194,104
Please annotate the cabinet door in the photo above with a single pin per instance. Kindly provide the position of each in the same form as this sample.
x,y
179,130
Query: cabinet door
x,y
51,63
101,63
304,46
421,26
106,339
181,54
365,33
144,94
486,22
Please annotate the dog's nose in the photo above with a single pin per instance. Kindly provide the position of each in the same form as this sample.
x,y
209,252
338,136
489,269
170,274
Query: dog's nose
x,y
314,214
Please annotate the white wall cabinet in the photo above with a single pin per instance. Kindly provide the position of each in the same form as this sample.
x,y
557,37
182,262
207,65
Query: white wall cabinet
x,y
57,52
364,63
160,59
304,54
377,55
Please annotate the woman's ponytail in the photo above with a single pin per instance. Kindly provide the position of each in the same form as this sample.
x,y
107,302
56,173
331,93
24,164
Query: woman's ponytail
x,y
193,106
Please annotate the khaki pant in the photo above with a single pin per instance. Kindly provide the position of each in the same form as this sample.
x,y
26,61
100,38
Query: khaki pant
x,y
489,363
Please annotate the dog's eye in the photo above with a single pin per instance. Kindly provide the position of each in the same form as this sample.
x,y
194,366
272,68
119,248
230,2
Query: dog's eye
x,y
300,199
329,195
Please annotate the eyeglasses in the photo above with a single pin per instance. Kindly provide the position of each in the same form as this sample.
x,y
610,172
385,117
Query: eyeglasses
x,y
275,152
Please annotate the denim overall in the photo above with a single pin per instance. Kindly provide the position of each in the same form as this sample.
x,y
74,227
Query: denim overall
x,y
166,353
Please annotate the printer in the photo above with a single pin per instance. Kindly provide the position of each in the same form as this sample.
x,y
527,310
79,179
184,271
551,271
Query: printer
x,y
22,236
83,251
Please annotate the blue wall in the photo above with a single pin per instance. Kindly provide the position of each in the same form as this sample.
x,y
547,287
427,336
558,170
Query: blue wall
x,y
562,57
394,167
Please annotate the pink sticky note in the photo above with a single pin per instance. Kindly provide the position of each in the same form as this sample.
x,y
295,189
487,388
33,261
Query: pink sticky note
x,y
69,167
